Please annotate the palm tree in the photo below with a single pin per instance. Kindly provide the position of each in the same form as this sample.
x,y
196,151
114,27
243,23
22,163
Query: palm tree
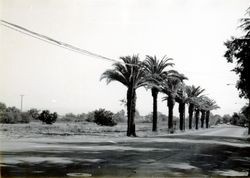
x,y
203,115
131,75
182,100
198,107
204,105
170,87
192,93
155,72
209,105
197,117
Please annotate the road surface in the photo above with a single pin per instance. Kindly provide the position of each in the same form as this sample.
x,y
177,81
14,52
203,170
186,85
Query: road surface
x,y
221,151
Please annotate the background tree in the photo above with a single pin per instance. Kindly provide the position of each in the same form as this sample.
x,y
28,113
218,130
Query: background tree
x,y
131,74
238,50
155,71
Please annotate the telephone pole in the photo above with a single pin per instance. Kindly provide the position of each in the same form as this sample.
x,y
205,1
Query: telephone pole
x,y
21,102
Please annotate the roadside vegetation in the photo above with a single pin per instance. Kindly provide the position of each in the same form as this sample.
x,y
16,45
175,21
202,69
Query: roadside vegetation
x,y
99,122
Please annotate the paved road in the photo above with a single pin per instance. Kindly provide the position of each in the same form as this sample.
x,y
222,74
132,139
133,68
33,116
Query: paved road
x,y
223,131
196,154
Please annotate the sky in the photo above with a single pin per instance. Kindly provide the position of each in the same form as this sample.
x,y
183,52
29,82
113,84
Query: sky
x,y
192,32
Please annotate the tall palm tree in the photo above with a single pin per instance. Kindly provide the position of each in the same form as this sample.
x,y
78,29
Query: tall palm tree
x,y
204,105
155,71
182,100
197,117
198,107
131,74
203,115
192,93
209,105
170,87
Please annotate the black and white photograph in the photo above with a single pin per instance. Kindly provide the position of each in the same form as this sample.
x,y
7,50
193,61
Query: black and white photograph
x,y
124,88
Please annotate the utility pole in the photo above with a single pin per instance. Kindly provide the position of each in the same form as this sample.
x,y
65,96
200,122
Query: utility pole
x,y
21,102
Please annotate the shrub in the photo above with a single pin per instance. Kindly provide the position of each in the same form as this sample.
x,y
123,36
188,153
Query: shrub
x,y
90,116
12,115
34,113
9,117
47,117
103,117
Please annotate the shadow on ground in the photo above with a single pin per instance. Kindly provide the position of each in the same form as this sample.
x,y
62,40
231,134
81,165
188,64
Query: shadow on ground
x,y
147,157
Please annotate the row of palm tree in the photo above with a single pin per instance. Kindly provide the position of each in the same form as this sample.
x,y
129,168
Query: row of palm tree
x,y
153,74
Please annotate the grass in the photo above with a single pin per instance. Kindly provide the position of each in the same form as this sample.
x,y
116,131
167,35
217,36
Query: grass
x,y
77,128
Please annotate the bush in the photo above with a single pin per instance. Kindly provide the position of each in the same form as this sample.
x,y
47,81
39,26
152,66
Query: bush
x,y
12,115
90,116
9,117
103,117
34,113
47,117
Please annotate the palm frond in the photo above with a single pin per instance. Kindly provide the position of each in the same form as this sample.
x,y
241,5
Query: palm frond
x,y
113,75
130,73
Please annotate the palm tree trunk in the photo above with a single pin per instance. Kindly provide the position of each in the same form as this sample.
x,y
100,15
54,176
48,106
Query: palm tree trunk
x,y
197,116
133,109
202,118
154,95
182,115
129,104
207,118
190,114
170,113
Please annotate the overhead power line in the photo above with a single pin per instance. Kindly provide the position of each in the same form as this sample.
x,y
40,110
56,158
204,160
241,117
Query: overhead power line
x,y
50,40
